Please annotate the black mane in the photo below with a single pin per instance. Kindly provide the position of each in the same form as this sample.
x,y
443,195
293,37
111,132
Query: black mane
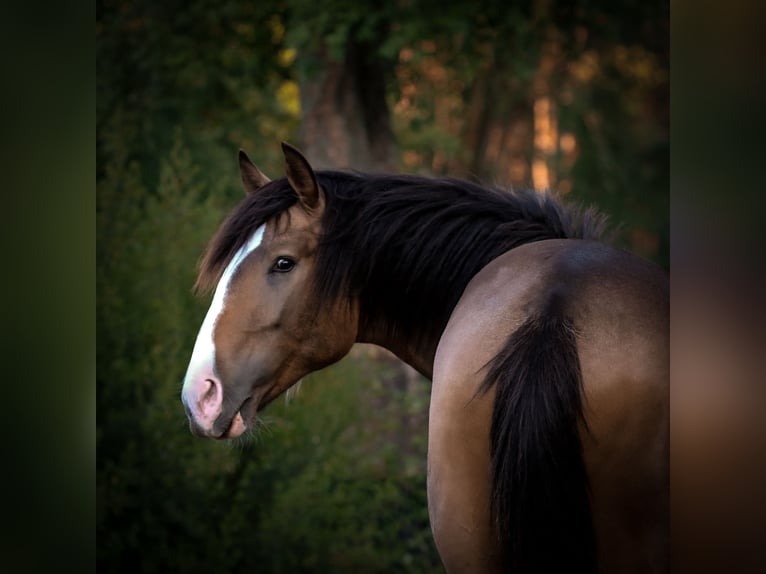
x,y
406,246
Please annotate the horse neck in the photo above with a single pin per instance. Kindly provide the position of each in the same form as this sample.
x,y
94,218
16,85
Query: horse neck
x,y
418,354
402,248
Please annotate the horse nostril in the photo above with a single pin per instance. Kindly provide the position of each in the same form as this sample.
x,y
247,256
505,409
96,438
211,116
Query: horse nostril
x,y
211,389
202,398
210,399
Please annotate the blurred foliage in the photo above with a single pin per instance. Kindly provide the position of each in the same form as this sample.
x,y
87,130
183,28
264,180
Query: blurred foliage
x,y
334,481
458,71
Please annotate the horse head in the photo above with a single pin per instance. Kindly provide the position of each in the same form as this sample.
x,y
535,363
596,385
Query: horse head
x,y
265,328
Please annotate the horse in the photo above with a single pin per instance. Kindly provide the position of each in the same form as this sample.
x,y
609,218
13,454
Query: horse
x,y
547,351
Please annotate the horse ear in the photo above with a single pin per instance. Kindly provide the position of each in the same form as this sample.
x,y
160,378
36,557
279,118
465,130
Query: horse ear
x,y
302,178
252,177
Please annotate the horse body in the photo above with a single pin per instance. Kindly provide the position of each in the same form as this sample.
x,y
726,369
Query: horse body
x,y
548,425
622,346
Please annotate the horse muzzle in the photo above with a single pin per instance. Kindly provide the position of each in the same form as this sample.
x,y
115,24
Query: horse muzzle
x,y
203,402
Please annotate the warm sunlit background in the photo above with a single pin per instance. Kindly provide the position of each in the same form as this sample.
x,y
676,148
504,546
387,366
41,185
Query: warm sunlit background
x,y
571,96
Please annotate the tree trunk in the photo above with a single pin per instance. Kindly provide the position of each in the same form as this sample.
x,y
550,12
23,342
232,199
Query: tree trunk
x,y
346,121
545,120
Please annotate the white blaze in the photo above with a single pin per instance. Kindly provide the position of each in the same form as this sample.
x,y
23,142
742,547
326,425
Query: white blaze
x,y
203,355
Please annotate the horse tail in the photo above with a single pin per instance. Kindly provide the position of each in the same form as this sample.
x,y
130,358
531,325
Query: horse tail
x,y
540,495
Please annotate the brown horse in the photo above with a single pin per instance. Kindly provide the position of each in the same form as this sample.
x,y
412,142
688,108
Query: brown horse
x,y
548,352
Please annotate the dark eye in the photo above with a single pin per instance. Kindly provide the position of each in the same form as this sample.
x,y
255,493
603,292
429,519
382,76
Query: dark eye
x,y
283,265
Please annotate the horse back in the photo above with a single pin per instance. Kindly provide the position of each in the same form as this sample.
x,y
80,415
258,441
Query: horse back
x,y
518,313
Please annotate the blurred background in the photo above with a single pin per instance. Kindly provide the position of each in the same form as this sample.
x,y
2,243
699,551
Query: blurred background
x,y
571,96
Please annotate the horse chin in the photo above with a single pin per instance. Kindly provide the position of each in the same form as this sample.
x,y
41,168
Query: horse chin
x,y
243,419
236,428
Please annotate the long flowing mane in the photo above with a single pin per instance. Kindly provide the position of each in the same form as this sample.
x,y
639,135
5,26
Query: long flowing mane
x,y
406,246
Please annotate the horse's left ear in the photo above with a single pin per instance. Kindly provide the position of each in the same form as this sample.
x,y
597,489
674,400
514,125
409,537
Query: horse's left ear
x,y
302,178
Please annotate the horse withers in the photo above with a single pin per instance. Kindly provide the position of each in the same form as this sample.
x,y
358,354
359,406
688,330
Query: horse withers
x,y
547,350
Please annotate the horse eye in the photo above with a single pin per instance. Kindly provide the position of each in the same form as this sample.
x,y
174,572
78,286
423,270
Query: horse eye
x,y
283,265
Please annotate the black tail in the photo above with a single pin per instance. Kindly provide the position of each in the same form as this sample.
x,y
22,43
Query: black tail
x,y
540,493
